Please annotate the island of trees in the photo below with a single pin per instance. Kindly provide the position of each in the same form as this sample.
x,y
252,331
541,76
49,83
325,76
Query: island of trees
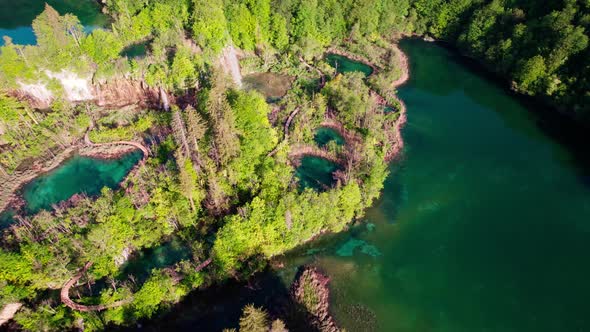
x,y
219,173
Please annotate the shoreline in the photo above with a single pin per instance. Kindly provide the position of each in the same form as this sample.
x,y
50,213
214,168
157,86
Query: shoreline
x,y
311,290
404,64
354,57
15,182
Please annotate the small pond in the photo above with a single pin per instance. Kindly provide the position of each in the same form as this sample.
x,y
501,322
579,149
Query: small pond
x,y
272,85
325,135
315,173
77,175
167,254
347,65
6,218
138,50
16,17
388,109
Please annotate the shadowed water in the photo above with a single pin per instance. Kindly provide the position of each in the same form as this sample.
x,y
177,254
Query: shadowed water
x,y
140,266
77,175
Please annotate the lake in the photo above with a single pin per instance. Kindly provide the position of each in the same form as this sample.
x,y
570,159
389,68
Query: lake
x,y
16,16
484,225
347,65
77,175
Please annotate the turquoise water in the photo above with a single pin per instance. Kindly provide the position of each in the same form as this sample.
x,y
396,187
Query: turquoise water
x,y
325,135
315,173
16,16
483,225
6,218
77,175
346,65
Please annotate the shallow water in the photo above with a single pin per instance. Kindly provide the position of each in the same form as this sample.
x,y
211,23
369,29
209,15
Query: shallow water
x,y
325,135
346,65
272,85
16,16
484,225
315,173
77,175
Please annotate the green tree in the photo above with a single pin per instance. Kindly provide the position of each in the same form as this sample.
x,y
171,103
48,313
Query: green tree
x,y
530,74
280,36
102,46
209,25
253,319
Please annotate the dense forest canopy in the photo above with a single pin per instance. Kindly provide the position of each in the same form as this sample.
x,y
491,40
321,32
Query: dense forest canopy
x,y
220,177
541,47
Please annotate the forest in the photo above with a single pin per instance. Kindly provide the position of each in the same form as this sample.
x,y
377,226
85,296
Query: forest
x,y
220,178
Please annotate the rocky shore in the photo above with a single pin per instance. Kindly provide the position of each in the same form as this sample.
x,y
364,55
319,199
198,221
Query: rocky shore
x,y
310,289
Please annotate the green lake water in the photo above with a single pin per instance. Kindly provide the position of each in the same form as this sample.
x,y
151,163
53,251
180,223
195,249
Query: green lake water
x,y
77,175
346,65
16,16
315,173
483,225
325,135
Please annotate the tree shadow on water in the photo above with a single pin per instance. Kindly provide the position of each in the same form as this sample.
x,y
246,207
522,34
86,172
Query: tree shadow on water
x,y
220,306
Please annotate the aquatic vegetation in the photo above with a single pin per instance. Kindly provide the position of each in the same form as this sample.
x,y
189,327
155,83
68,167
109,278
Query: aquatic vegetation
x,y
273,86
316,173
347,249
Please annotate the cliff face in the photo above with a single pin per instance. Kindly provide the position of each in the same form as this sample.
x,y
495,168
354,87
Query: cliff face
x,y
124,92
114,93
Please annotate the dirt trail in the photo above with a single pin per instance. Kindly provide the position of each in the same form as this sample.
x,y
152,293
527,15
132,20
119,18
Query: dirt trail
x,y
65,295
65,291
88,142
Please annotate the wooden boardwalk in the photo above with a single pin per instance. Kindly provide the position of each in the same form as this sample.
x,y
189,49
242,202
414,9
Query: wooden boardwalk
x,y
65,291
65,295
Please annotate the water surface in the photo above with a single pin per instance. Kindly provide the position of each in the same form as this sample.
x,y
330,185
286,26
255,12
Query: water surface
x,y
141,264
77,175
347,65
316,173
272,85
484,225
325,135
16,16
